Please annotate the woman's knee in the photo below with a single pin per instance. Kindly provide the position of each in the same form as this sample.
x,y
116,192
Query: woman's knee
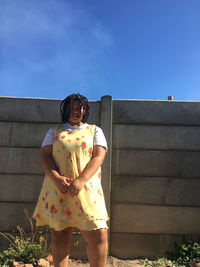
x,y
103,236
96,237
100,243
64,234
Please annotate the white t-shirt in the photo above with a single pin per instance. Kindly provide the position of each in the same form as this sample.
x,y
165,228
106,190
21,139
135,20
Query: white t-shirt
x,y
99,138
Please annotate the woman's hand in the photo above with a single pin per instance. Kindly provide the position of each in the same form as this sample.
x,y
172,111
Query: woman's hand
x,y
60,181
76,186
93,165
63,183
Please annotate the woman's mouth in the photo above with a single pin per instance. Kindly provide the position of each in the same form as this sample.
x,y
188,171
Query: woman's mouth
x,y
76,116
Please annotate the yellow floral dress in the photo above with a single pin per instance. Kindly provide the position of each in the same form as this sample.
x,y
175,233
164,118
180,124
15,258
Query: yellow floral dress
x,y
72,150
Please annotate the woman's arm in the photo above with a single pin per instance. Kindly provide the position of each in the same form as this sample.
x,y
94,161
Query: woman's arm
x,y
93,165
49,166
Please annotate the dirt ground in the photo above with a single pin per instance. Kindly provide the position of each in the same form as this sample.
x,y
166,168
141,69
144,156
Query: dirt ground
x,y
110,263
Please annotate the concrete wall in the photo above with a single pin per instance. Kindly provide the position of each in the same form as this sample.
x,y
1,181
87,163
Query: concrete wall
x,y
151,175
155,197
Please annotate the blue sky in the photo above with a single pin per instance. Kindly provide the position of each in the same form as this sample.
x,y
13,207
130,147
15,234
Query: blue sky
x,y
130,49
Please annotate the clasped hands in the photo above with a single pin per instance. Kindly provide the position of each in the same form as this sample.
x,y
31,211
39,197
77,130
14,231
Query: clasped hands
x,y
71,186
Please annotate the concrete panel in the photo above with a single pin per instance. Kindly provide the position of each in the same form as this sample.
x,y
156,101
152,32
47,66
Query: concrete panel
x,y
156,112
20,160
155,163
156,137
143,245
29,109
20,188
38,110
12,214
22,134
155,219
156,190
78,247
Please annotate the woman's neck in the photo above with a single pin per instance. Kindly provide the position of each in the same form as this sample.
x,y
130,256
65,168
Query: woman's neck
x,y
76,123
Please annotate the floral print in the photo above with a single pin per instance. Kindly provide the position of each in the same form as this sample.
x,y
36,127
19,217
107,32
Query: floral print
x,y
66,214
71,155
61,201
56,137
83,144
53,210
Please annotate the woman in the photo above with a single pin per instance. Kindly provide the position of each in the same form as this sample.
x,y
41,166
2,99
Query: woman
x,y
71,195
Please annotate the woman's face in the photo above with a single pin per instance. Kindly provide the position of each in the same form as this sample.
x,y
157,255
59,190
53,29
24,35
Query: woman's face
x,y
76,113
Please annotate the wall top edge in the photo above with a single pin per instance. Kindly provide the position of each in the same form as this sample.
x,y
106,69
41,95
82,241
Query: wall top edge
x,y
156,100
32,98
114,100
38,98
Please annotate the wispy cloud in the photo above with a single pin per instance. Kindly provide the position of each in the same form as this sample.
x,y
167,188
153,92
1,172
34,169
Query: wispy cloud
x,y
50,43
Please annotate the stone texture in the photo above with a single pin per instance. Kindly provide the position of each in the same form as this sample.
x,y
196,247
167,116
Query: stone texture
x,y
43,263
38,110
15,211
20,160
18,264
133,245
22,134
49,258
160,137
26,187
156,190
155,163
156,112
150,219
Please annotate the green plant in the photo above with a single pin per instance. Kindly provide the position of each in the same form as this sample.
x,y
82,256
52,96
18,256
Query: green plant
x,y
156,263
185,253
23,248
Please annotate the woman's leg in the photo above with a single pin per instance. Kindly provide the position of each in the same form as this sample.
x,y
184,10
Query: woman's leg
x,y
97,246
60,245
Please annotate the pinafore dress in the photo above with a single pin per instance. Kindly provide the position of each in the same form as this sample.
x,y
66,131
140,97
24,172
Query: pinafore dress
x,y
72,150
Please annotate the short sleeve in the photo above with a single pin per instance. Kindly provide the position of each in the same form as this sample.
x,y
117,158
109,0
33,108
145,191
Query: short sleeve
x,y
99,138
49,137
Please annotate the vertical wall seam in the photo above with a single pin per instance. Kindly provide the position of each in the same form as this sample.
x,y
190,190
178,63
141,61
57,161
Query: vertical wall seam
x,y
106,125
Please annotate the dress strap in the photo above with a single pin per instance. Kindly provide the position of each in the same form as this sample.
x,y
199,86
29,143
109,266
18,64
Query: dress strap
x,y
58,129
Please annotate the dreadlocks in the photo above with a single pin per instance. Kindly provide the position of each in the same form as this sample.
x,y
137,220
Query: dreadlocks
x,y
65,107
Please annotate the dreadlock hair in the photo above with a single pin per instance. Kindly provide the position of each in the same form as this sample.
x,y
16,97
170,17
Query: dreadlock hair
x,y
65,107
